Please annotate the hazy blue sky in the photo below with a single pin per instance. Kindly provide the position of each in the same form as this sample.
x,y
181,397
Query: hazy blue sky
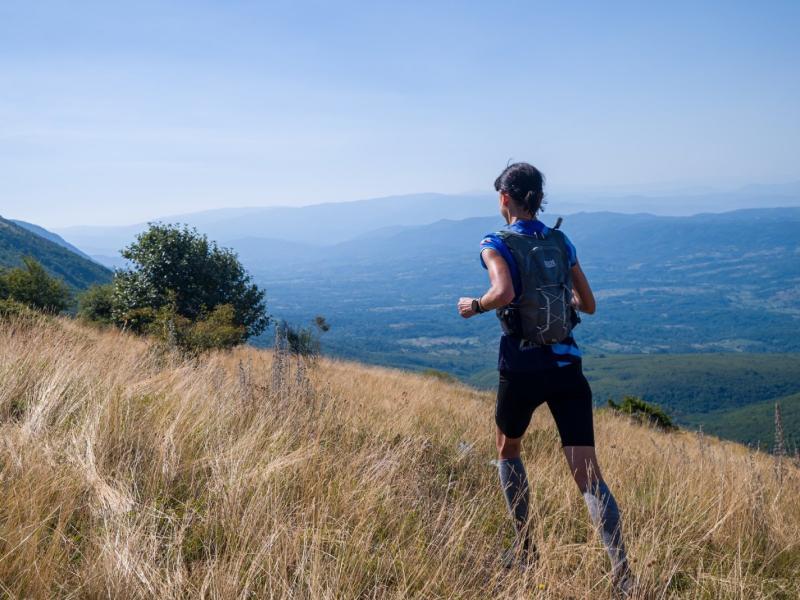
x,y
115,114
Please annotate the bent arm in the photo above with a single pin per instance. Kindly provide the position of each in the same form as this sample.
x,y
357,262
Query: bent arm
x,y
501,291
584,298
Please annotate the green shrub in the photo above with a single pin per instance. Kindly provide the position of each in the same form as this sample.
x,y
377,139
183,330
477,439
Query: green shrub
x,y
11,308
217,329
97,303
178,268
182,289
31,285
304,341
138,320
436,373
643,412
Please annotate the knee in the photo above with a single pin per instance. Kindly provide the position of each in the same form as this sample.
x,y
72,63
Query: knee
x,y
509,447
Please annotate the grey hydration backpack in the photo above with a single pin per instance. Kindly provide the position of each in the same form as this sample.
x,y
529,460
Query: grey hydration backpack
x,y
543,313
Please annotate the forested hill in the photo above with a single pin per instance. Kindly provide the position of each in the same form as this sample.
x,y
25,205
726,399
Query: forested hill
x,y
77,271
49,235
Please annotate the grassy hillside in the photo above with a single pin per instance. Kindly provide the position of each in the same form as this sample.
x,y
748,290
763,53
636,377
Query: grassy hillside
x,y
133,474
77,271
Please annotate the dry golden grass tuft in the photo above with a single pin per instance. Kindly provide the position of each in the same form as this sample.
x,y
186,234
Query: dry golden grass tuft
x,y
128,473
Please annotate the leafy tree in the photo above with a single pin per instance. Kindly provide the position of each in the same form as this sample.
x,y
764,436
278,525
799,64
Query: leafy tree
x,y
31,285
97,303
643,412
178,268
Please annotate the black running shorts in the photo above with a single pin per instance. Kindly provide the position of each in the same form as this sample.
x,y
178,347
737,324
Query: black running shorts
x,y
566,392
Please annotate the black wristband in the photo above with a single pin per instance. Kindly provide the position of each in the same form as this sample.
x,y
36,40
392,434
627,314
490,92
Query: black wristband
x,y
477,303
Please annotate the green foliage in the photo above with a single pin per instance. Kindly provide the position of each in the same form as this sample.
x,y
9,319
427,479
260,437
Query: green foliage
x,y
10,308
97,303
77,271
754,424
180,277
216,329
695,385
178,268
643,412
436,373
138,320
32,286
183,290
304,341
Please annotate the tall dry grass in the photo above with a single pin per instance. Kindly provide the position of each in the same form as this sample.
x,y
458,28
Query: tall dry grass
x,y
128,473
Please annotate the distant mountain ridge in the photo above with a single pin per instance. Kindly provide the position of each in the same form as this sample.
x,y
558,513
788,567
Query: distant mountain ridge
x,y
321,224
326,224
49,235
74,268
643,234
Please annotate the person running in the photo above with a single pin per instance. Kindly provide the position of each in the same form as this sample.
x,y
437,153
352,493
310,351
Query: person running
x,y
546,368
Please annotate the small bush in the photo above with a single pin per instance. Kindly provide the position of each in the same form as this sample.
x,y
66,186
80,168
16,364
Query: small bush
x,y
303,340
11,308
138,320
436,373
96,304
217,329
644,412
31,285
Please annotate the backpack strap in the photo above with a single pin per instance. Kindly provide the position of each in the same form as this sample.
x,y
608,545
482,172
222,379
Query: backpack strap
x,y
559,235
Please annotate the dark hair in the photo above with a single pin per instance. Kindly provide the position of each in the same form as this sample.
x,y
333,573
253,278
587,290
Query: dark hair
x,y
524,183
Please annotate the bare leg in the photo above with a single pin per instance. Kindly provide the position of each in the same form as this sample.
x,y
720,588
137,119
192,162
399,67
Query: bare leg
x,y
507,447
602,507
582,461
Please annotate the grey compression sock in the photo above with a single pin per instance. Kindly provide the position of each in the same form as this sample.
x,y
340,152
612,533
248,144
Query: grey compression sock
x,y
515,487
605,516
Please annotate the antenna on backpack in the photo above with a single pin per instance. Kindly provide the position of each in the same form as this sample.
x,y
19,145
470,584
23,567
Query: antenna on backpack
x,y
558,223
